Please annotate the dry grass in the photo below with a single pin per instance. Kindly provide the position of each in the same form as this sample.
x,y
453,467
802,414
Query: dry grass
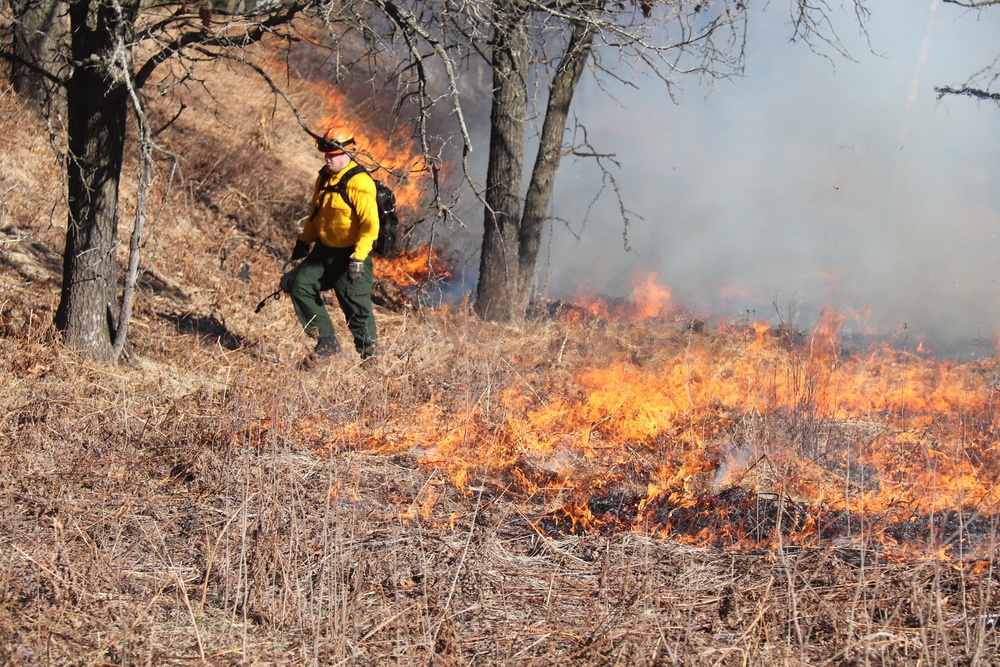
x,y
205,503
151,517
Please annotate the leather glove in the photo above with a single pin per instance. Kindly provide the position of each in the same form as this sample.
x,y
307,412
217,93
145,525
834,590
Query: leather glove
x,y
355,269
301,250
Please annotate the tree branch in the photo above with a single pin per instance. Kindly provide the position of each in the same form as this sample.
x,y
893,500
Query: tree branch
x,y
204,39
14,58
967,91
973,4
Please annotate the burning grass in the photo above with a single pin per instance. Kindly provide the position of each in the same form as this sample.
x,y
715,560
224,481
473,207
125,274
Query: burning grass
x,y
209,506
573,490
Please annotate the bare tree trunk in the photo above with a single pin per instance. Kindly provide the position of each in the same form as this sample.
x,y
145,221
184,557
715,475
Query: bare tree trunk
x,y
39,29
510,241
550,150
97,107
497,297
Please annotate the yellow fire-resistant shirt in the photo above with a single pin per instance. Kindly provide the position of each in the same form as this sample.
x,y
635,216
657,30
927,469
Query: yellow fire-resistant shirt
x,y
334,224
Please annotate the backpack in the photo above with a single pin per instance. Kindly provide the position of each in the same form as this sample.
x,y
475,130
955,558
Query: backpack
x,y
388,222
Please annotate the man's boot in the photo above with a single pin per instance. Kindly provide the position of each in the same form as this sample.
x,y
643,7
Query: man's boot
x,y
327,346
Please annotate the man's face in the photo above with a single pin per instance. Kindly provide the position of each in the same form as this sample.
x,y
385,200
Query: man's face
x,y
336,161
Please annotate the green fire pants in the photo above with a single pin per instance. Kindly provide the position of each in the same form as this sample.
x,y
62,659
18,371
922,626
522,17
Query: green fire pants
x,y
326,268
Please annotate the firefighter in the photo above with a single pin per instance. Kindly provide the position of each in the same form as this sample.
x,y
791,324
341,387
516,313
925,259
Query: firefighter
x,y
341,233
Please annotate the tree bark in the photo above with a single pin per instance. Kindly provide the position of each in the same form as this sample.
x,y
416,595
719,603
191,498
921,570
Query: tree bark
x,y
496,297
38,44
97,104
510,241
550,151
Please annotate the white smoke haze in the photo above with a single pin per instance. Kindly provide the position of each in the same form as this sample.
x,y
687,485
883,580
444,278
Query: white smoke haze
x,y
809,183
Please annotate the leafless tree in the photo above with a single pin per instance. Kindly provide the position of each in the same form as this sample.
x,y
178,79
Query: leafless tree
x,y
101,63
537,52
37,50
531,47
536,49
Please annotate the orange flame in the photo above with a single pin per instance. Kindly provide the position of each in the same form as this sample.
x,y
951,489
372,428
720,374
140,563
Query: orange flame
x,y
801,428
671,422
741,439
393,158
414,266
651,298
915,439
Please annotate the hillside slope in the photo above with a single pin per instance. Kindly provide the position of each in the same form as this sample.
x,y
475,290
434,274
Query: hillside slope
x,y
552,492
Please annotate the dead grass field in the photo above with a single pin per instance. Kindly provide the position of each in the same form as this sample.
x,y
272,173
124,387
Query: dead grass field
x,y
205,503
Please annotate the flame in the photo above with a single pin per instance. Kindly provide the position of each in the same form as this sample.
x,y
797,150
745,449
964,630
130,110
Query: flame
x,y
620,446
753,437
414,266
917,444
651,299
391,156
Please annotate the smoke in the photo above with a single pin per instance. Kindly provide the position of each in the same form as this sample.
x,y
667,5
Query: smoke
x,y
810,183
911,99
807,184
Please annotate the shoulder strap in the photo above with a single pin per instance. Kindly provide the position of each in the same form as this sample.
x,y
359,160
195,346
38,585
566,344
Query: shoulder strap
x,y
340,187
